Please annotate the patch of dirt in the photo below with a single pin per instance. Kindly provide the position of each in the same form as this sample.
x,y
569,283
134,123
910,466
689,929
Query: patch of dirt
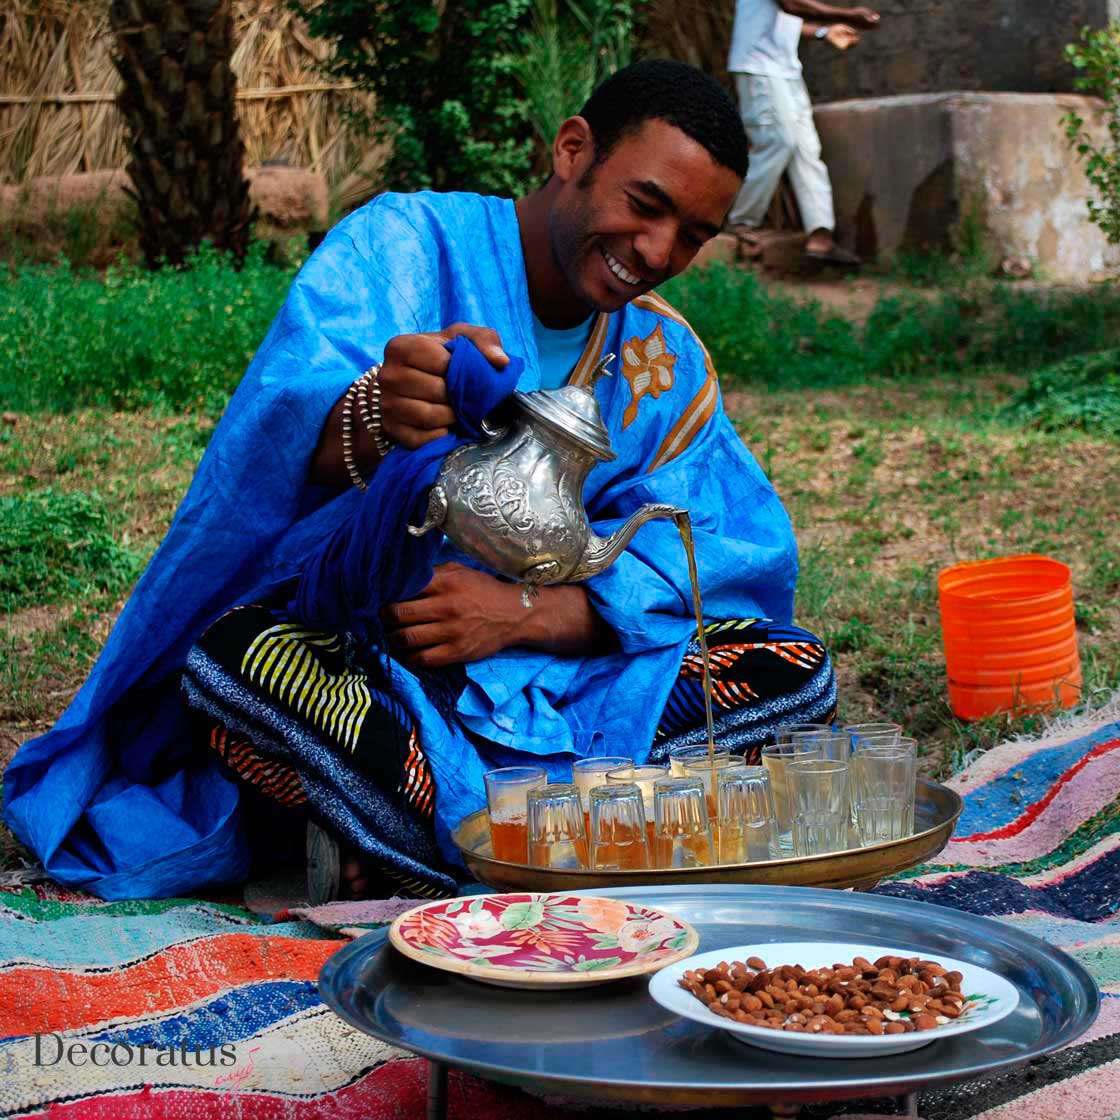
x,y
31,620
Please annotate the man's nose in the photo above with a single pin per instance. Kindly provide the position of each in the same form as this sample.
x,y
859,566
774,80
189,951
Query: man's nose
x,y
655,246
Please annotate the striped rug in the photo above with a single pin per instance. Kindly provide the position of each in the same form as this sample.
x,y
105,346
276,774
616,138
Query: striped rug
x,y
199,1008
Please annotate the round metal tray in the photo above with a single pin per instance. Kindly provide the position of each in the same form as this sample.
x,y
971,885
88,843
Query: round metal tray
x,y
615,1043
936,811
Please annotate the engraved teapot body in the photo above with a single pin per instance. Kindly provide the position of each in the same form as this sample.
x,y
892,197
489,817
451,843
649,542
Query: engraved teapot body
x,y
515,501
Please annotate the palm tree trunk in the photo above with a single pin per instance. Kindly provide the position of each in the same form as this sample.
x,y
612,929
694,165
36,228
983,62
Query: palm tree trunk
x,y
179,103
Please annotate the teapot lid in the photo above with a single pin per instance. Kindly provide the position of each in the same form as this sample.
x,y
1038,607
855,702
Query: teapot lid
x,y
573,413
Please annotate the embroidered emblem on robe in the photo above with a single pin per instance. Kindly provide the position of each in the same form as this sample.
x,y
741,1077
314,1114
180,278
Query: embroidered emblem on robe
x,y
648,367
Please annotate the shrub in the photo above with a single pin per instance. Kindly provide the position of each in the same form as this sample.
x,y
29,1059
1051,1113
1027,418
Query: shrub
x,y
178,337
55,546
1082,392
1097,60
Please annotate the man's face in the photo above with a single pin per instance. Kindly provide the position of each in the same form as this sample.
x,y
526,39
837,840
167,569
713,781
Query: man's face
x,y
623,226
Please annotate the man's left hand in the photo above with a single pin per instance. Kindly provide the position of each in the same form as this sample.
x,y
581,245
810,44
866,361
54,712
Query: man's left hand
x,y
841,36
462,615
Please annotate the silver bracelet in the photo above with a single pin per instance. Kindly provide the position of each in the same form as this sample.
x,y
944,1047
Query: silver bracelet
x,y
347,436
369,408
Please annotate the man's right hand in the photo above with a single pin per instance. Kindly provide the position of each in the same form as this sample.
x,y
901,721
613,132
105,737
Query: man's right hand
x,y
413,380
841,36
862,17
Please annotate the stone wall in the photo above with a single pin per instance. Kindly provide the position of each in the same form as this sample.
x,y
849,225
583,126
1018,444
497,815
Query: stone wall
x,y
905,170
929,46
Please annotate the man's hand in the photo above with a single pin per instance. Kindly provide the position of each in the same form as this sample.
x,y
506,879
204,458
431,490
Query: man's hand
x,y
841,36
414,403
863,17
466,615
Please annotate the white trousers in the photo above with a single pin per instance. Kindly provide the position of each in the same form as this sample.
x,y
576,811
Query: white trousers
x,y
778,118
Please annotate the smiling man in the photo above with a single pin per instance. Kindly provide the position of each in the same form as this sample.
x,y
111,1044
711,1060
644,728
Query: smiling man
x,y
134,794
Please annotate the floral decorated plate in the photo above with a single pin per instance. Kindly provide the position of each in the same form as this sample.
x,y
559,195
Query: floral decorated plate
x,y
989,998
542,940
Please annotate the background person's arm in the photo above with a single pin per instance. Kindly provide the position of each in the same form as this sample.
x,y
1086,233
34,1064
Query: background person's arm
x,y
820,13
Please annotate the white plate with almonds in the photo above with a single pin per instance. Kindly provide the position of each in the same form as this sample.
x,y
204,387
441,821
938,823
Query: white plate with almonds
x,y
869,1006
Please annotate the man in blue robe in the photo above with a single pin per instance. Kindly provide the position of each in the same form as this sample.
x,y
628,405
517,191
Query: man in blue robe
x,y
135,793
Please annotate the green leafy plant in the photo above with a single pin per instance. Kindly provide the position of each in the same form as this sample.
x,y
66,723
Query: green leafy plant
x,y
443,75
54,545
1096,57
1082,392
569,48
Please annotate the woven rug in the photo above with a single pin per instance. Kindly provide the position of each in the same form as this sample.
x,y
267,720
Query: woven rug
x,y
211,1010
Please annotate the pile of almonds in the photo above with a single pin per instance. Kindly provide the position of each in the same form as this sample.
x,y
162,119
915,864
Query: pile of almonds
x,y
894,995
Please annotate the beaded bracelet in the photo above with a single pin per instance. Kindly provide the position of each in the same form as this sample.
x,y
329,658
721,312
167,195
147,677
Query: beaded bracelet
x,y
347,437
369,408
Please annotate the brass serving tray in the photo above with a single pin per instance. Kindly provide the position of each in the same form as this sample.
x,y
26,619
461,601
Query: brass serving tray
x,y
936,811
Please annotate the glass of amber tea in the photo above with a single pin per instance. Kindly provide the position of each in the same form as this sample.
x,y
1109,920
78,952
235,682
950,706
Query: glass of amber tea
x,y
746,828
587,773
682,757
556,834
507,792
681,829
618,828
643,777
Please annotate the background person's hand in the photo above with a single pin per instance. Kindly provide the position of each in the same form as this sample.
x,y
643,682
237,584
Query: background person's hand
x,y
841,36
462,615
866,18
414,403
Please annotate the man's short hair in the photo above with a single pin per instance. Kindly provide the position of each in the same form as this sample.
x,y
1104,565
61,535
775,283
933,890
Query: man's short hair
x,y
674,92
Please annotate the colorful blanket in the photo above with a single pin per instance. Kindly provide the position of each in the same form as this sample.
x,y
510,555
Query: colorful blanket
x,y
200,1008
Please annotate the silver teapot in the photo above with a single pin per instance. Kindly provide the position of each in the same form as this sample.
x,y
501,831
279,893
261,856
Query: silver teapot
x,y
515,501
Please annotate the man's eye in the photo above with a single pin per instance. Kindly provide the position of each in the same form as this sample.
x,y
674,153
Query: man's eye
x,y
641,206
692,241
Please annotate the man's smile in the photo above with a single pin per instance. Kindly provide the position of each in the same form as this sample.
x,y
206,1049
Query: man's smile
x,y
620,270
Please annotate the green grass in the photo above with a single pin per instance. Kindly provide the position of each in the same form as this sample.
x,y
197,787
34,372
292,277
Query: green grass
x,y
174,338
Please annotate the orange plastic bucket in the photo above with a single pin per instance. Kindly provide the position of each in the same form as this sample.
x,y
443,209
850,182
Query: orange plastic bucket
x,y
1009,634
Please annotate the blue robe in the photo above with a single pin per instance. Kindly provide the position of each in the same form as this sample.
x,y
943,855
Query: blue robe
x,y
116,799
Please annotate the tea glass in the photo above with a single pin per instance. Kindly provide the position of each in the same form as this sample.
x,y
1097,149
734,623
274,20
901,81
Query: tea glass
x,y
619,841
818,791
784,731
704,769
776,758
882,793
681,830
746,830
680,757
507,791
556,834
587,773
872,734
644,778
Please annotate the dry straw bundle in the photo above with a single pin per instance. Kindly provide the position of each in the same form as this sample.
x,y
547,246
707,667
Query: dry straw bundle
x,y
57,88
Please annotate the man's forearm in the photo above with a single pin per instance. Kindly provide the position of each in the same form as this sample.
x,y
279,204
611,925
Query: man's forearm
x,y
563,621
812,9
328,467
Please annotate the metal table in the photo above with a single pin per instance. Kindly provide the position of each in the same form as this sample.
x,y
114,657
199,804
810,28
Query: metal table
x,y
615,1044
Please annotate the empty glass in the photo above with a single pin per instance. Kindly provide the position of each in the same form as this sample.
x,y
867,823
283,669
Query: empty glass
x,y
506,793
681,832
783,731
776,759
679,757
746,830
818,792
619,841
872,734
643,777
556,833
829,744
882,793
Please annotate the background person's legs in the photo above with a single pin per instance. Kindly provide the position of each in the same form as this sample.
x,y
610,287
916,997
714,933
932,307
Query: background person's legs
x,y
772,147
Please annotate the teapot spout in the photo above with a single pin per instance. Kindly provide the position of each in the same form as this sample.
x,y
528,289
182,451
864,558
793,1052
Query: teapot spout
x,y
602,552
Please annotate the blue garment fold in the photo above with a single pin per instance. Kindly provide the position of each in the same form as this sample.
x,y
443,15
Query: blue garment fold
x,y
372,559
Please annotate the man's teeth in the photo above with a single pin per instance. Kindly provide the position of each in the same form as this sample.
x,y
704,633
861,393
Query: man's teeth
x,y
617,267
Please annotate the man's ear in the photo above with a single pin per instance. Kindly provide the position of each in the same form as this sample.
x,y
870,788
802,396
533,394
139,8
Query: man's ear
x,y
573,150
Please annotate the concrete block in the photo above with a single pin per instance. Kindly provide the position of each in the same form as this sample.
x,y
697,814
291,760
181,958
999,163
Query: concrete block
x,y
905,169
